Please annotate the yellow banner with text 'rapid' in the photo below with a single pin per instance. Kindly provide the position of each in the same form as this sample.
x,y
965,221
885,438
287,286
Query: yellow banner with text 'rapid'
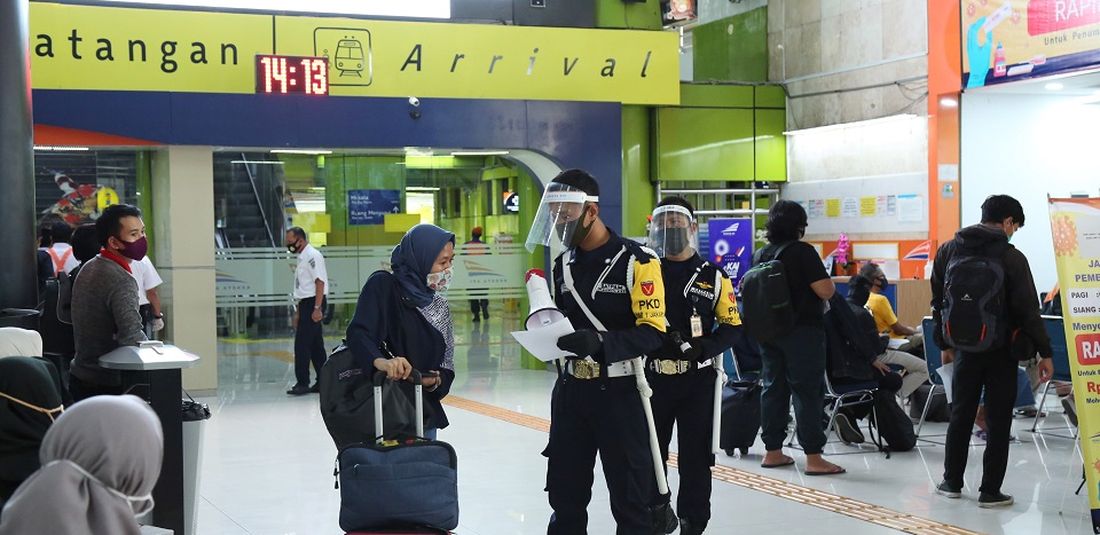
x,y
1075,228
124,49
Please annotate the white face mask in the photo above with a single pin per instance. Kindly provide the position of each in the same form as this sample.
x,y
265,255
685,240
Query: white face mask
x,y
145,502
439,281
48,412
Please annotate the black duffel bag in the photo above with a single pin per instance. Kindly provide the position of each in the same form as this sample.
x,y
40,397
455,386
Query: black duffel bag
x,y
347,402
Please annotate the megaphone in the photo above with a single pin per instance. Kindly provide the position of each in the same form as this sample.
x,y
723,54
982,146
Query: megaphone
x,y
543,310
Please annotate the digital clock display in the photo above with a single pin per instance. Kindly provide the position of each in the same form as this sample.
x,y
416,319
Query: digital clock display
x,y
304,75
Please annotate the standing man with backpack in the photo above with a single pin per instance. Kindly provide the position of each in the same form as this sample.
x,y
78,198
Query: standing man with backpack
x,y
983,297
784,295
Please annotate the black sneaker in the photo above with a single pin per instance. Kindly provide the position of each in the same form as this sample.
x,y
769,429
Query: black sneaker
x,y
692,527
944,489
316,388
477,319
298,390
994,499
664,519
849,433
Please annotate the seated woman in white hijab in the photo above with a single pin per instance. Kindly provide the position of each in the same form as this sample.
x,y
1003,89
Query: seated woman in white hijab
x,y
100,461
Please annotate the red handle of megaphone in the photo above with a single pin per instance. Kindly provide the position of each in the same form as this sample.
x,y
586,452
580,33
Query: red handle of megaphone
x,y
535,271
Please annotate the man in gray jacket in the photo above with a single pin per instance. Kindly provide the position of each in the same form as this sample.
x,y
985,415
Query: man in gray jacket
x,y
105,304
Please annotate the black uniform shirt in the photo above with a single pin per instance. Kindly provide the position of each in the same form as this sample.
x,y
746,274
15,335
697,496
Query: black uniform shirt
x,y
695,286
625,292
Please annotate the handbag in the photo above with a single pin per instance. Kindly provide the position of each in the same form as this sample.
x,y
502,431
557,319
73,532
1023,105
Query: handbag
x,y
347,402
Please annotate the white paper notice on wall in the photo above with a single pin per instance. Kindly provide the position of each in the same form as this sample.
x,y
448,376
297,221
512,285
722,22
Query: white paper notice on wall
x,y
948,172
910,208
850,208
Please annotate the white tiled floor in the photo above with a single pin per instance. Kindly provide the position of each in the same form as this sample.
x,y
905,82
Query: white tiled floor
x,y
268,462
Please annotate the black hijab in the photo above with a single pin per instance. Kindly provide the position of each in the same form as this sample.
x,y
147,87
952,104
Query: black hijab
x,y
31,381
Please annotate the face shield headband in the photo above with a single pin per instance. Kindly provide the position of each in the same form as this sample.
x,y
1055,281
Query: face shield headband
x,y
560,217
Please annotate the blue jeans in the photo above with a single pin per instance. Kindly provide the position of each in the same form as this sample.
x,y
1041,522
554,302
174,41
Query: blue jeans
x,y
431,433
794,367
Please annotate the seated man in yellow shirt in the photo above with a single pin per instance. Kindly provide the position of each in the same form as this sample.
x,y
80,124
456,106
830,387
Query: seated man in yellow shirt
x,y
885,319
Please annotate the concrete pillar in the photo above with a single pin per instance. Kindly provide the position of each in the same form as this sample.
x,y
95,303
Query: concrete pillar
x,y
183,220
18,282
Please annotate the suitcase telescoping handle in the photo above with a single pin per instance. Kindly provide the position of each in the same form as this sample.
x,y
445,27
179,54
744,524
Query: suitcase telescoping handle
x,y
379,380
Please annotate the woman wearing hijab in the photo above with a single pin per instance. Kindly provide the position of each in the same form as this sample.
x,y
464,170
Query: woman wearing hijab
x,y
402,321
29,403
100,461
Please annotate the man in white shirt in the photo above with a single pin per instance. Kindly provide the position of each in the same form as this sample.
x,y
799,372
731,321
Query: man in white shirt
x,y
61,253
310,289
148,299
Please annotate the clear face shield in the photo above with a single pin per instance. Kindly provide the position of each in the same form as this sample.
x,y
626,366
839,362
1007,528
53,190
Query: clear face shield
x,y
560,217
673,231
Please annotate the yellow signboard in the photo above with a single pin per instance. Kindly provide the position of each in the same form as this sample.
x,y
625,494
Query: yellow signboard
x,y
126,49
1007,40
1075,227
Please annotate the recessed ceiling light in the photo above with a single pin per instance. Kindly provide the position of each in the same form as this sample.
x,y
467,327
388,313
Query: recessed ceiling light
x,y
301,151
1054,86
61,148
480,153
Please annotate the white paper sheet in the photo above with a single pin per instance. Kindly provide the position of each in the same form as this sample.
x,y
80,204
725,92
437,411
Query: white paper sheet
x,y
543,342
946,372
895,343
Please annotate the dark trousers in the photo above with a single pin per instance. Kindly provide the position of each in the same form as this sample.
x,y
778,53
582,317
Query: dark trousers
x,y
80,389
479,306
994,371
688,401
309,344
605,416
794,367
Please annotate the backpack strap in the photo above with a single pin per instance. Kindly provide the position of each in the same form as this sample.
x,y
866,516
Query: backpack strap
x,y
59,260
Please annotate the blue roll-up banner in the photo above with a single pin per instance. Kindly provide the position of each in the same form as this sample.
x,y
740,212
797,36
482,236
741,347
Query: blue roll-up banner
x,y
731,246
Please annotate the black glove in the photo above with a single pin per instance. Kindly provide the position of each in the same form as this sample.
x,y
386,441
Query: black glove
x,y
693,350
582,343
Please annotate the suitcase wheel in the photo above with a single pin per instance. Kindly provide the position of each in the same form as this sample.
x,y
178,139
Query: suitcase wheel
x,y
744,451
729,453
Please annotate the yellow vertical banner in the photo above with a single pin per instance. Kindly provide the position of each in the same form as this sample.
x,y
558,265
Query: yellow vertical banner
x,y
1075,226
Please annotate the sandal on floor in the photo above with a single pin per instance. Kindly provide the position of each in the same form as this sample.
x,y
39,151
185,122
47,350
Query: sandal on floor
x,y
787,462
837,471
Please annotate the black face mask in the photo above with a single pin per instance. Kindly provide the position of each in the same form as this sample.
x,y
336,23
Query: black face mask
x,y
675,240
578,235
294,247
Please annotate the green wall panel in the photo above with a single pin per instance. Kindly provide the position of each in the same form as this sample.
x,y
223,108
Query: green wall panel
x,y
771,145
639,193
770,96
705,144
637,16
733,48
717,96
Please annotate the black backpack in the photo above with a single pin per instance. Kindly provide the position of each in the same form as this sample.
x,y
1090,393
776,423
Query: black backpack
x,y
893,425
768,312
974,306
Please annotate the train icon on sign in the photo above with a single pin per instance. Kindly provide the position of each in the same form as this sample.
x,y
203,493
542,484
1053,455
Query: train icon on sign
x,y
349,52
350,60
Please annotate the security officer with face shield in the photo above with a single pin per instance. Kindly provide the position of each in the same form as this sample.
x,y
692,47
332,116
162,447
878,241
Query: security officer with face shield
x,y
611,290
701,310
